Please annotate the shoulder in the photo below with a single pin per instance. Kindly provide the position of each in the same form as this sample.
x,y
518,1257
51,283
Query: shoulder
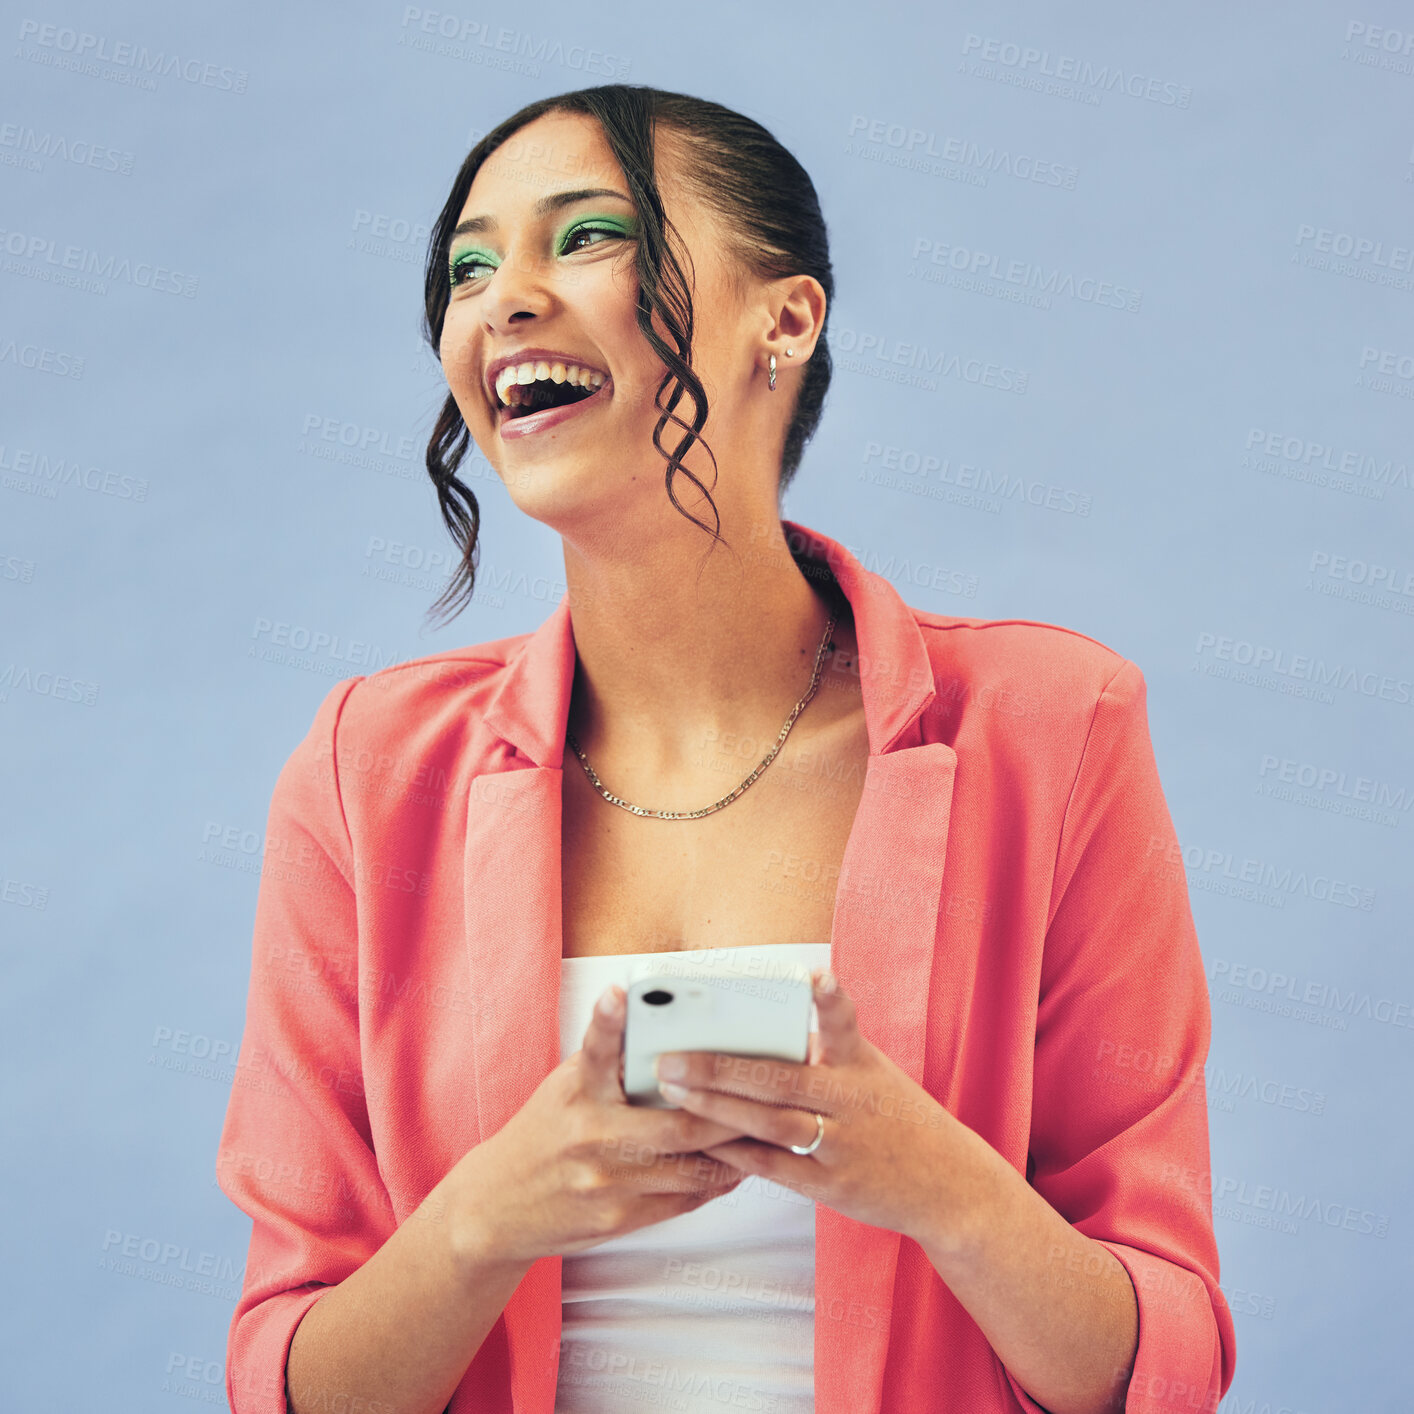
x,y
1032,708
427,707
1025,686
1041,660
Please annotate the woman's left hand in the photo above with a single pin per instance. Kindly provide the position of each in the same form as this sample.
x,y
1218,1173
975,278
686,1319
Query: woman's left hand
x,y
890,1153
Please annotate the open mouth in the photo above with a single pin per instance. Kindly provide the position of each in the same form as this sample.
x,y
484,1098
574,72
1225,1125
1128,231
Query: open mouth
x,y
527,398
536,407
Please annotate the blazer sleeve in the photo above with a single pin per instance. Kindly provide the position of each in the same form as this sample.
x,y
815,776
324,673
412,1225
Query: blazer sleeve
x,y
296,1150
1119,1132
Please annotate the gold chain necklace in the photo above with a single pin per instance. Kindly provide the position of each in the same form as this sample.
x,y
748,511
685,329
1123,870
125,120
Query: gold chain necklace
x,y
756,771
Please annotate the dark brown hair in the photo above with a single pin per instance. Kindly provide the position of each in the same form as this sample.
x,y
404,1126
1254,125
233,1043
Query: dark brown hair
x,y
742,173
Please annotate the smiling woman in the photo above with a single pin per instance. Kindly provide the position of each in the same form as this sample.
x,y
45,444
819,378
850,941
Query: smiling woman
x,y
962,1200
601,244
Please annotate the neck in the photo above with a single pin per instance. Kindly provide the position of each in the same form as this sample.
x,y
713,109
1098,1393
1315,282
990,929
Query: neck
x,y
671,660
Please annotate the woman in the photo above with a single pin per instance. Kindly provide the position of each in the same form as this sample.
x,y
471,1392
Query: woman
x,y
973,1196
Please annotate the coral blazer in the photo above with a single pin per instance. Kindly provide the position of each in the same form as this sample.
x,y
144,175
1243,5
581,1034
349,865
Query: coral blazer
x,y
1007,919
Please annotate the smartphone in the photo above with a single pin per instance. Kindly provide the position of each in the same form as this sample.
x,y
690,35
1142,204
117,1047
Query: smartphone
x,y
695,1009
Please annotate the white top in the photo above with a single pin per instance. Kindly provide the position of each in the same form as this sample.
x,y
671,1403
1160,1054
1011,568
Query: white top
x,y
711,1310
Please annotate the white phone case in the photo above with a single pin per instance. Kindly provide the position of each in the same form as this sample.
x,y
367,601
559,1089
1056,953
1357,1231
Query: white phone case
x,y
696,1009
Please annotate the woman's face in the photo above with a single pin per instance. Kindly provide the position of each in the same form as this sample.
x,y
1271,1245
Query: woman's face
x,y
547,268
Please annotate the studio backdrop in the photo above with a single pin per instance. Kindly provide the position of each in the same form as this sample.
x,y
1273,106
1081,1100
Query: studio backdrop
x,y
1123,342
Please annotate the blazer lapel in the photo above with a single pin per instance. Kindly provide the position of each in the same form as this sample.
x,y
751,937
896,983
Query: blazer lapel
x,y
513,936
881,948
882,939
886,918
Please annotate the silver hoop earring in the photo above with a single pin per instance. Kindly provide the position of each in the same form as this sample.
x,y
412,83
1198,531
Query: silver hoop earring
x,y
773,373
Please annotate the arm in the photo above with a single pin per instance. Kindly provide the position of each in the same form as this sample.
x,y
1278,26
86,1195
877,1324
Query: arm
x,y
1095,1276
1056,1306
327,1262
399,1332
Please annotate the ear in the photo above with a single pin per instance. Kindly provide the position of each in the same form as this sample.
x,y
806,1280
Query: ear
x,y
795,316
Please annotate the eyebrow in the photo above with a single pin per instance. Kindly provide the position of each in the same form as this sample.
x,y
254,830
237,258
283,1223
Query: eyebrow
x,y
474,225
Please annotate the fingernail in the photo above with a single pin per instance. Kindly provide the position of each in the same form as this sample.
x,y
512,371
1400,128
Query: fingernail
x,y
827,983
608,1004
670,1067
676,1093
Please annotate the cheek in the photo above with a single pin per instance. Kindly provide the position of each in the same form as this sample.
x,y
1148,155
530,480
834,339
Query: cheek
x,y
452,350
460,370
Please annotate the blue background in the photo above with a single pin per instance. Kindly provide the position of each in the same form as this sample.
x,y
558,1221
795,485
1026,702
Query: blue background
x,y
1198,445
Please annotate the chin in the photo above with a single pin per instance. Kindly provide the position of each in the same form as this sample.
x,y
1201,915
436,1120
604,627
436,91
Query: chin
x,y
584,498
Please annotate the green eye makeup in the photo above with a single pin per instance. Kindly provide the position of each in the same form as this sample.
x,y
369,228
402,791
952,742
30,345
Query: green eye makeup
x,y
464,263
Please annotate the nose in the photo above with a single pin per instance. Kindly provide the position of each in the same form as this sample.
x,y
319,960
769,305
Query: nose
x,y
517,291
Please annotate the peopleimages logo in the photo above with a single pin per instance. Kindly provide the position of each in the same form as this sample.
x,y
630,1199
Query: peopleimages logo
x,y
1263,874
1304,459
49,472
57,686
1346,792
1268,1205
1263,659
1379,47
1304,998
1360,581
41,359
1097,79
474,41
41,257
1357,247
969,268
32,149
66,48
315,650
878,355
923,149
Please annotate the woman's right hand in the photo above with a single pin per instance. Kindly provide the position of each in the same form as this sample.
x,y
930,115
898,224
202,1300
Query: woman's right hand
x,y
577,1164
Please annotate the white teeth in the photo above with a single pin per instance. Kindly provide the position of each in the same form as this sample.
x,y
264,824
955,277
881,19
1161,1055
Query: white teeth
x,y
538,369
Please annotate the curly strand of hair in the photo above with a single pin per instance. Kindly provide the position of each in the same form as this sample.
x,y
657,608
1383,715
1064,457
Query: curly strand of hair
x,y
665,287
458,506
